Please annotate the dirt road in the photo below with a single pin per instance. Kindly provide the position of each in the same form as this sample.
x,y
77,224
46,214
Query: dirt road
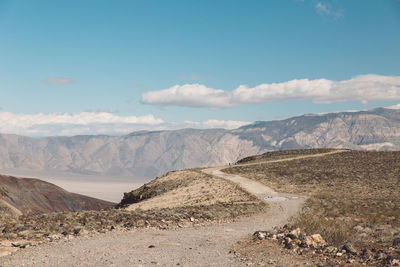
x,y
197,246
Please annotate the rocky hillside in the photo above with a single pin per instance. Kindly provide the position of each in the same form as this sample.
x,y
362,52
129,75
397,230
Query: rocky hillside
x,y
22,195
150,154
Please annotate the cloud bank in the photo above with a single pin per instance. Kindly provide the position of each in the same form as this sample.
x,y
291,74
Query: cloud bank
x,y
360,88
71,124
57,124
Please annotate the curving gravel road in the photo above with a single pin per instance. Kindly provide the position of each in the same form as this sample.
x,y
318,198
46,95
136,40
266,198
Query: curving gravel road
x,y
197,246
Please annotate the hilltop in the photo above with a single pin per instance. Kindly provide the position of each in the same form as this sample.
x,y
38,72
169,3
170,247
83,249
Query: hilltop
x,y
25,195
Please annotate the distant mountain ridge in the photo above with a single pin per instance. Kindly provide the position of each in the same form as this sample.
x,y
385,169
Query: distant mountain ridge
x,y
149,154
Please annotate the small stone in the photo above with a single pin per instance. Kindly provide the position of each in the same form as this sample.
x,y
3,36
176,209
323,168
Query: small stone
x,y
288,243
54,237
395,262
330,249
396,242
77,230
315,240
16,244
21,244
294,234
280,236
261,235
191,219
83,232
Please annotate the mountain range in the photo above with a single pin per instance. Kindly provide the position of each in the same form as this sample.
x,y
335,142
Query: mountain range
x,y
147,154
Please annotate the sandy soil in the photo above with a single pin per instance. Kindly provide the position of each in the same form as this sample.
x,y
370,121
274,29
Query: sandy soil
x,y
201,191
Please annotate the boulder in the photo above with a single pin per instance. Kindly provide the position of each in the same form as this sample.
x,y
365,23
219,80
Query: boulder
x,y
315,241
260,235
294,234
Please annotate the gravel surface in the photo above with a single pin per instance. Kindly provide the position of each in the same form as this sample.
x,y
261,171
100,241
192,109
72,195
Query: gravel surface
x,y
203,246
196,246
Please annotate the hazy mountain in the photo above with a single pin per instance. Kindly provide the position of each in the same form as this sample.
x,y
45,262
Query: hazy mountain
x,y
23,195
148,154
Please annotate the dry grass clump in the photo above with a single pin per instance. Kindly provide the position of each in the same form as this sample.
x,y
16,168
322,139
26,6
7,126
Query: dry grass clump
x,y
353,188
335,232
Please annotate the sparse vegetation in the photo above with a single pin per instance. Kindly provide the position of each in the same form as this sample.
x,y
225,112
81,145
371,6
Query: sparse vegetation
x,y
177,199
188,188
283,154
38,227
354,196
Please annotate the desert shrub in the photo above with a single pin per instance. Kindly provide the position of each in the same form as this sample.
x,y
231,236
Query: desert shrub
x,y
335,232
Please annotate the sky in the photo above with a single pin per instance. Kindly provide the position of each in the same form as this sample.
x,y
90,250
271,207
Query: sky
x,y
114,67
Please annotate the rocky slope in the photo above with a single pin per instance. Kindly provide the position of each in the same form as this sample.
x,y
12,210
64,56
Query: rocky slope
x,y
149,154
22,195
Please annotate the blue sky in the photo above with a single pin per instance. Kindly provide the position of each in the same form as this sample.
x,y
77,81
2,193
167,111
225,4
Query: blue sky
x,y
74,67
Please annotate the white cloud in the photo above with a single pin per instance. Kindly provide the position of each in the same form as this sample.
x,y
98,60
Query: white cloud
x,y
394,107
56,81
322,8
71,124
225,124
58,124
325,9
361,88
192,95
